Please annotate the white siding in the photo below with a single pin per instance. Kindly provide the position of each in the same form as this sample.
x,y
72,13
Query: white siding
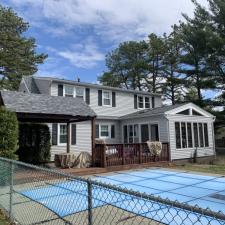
x,y
188,152
83,140
124,102
160,120
117,139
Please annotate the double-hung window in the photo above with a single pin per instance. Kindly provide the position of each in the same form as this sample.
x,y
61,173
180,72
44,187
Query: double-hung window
x,y
68,91
106,98
140,102
147,103
80,92
104,131
62,134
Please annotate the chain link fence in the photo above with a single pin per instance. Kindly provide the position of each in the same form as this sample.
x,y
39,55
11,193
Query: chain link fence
x,y
33,195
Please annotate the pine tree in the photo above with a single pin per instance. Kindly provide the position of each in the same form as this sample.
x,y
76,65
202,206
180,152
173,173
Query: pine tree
x,y
17,53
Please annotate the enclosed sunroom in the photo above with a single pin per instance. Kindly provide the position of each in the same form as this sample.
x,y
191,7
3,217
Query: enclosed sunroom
x,y
187,129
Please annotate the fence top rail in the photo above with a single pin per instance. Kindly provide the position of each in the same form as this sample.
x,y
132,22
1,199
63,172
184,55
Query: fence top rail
x,y
177,204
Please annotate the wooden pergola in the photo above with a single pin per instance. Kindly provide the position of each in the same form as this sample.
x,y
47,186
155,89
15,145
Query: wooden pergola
x,y
39,108
56,118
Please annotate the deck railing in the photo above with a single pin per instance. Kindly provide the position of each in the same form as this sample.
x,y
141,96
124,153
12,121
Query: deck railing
x,y
107,155
220,143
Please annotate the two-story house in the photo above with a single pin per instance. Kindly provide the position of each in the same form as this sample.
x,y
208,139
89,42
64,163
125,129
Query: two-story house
x,y
128,116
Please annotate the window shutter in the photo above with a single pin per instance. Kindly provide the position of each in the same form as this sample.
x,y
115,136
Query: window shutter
x,y
97,131
153,102
60,90
54,133
113,131
73,134
87,95
135,101
113,99
100,97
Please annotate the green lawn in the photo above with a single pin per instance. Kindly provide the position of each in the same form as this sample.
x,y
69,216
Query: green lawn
x,y
217,167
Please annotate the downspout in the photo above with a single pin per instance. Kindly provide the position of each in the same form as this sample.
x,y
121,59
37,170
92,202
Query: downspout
x,y
168,131
213,130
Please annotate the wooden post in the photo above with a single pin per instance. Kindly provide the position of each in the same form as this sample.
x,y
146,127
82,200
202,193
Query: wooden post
x,y
93,135
123,155
104,163
139,153
68,138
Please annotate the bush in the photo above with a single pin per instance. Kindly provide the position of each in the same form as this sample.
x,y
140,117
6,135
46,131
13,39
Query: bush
x,y
34,143
8,134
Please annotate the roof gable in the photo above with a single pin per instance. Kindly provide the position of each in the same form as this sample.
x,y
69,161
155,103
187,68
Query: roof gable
x,y
191,107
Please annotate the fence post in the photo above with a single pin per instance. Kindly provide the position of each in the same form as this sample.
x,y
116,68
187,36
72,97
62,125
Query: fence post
x,y
90,218
11,192
123,155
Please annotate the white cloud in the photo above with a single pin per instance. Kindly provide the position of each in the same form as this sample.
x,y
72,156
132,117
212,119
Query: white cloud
x,y
116,20
85,55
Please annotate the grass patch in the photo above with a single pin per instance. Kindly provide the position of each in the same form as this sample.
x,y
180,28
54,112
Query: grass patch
x,y
206,168
216,167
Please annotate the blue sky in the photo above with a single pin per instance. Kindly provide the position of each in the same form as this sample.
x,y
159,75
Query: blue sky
x,y
77,34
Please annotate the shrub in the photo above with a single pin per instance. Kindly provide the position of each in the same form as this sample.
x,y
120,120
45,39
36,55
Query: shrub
x,y
34,143
8,134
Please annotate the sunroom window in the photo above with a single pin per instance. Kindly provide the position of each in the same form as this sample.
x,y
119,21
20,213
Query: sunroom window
x,y
68,91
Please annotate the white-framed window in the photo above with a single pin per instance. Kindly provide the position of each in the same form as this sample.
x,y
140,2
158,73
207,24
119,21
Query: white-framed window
x,y
131,133
105,131
68,91
140,102
147,102
143,102
191,135
80,92
106,98
62,133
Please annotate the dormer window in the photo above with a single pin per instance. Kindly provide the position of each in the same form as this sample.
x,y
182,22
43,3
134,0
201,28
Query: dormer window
x,y
80,92
68,91
106,98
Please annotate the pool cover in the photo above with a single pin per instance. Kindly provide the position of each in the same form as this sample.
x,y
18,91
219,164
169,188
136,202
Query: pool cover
x,y
70,197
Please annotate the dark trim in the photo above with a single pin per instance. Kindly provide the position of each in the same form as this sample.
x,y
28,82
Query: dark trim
x,y
54,133
87,95
60,89
51,118
113,99
68,138
99,97
93,135
135,101
73,134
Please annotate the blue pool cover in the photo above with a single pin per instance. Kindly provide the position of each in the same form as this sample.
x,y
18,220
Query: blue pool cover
x,y
70,197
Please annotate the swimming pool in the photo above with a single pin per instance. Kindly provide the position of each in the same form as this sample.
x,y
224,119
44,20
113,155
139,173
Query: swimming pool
x,y
69,197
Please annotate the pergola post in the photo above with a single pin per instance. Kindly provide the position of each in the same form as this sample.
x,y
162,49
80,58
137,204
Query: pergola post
x,y
68,138
93,135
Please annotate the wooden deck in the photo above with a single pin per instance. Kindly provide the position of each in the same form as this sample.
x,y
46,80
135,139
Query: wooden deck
x,y
110,155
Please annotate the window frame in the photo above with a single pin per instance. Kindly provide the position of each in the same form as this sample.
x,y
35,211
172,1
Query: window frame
x,y
144,102
150,130
195,137
79,96
64,91
59,134
110,98
109,130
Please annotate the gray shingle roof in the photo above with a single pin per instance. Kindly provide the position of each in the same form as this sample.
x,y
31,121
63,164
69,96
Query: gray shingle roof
x,y
84,84
45,104
151,112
